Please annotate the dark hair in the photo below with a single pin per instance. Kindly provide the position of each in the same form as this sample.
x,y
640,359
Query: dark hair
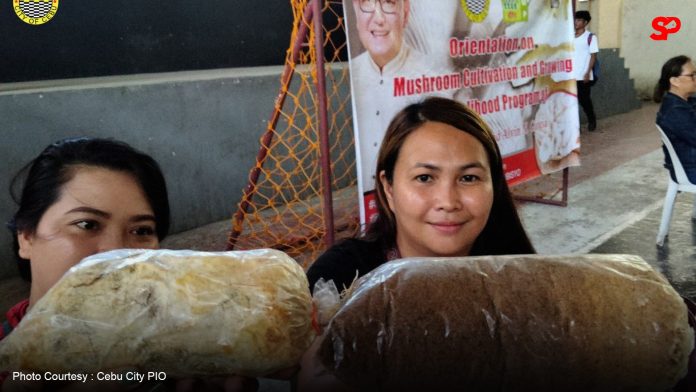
x,y
583,15
46,174
503,233
672,68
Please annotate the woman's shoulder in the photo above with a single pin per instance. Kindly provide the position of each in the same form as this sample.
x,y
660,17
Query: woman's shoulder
x,y
671,100
346,260
359,245
667,101
675,112
352,251
14,316
670,105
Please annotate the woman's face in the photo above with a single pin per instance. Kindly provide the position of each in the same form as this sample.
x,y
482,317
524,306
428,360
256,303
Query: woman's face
x,y
97,210
686,80
442,192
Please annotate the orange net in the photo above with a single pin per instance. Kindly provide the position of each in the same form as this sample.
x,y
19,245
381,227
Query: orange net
x,y
283,206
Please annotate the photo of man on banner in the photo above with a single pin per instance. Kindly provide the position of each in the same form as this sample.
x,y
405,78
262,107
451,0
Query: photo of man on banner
x,y
383,56
509,60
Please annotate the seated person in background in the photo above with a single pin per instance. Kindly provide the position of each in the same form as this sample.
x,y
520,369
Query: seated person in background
x,y
677,115
441,192
84,196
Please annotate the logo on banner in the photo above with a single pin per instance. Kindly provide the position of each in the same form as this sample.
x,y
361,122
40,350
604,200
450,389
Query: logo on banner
x,y
515,11
663,27
476,10
35,12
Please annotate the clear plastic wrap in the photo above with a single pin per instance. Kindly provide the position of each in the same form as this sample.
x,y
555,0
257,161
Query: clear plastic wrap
x,y
327,300
185,313
510,323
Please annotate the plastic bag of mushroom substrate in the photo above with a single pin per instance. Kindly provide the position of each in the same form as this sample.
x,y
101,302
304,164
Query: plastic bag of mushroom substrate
x,y
185,313
510,323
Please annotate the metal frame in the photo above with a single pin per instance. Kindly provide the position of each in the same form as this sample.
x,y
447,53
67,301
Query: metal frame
x,y
311,12
324,146
564,187
564,195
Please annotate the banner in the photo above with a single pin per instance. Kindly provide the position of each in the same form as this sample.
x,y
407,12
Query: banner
x,y
510,60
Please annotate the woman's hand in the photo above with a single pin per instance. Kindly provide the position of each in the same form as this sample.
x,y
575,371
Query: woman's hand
x,y
313,376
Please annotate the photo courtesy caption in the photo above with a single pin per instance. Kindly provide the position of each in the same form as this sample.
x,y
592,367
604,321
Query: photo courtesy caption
x,y
84,377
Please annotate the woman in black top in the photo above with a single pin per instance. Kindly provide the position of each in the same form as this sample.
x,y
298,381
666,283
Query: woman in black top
x,y
441,192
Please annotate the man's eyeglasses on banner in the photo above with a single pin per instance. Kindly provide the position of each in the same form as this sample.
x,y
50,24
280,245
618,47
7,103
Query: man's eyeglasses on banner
x,y
388,6
692,75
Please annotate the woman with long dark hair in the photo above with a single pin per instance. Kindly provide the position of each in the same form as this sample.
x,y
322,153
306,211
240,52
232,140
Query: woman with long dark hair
x,y
81,196
441,191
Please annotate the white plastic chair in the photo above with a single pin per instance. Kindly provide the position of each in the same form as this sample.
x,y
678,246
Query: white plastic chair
x,y
682,185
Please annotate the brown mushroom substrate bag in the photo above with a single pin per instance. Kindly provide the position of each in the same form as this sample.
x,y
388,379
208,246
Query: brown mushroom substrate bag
x,y
511,323
181,312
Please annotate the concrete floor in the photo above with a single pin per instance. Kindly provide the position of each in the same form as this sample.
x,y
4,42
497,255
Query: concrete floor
x,y
615,202
614,205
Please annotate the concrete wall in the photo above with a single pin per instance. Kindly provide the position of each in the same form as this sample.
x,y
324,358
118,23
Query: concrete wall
x,y
202,127
644,57
607,23
606,20
614,93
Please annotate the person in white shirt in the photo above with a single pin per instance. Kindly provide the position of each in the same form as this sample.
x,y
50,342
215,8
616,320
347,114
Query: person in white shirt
x,y
380,25
586,48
